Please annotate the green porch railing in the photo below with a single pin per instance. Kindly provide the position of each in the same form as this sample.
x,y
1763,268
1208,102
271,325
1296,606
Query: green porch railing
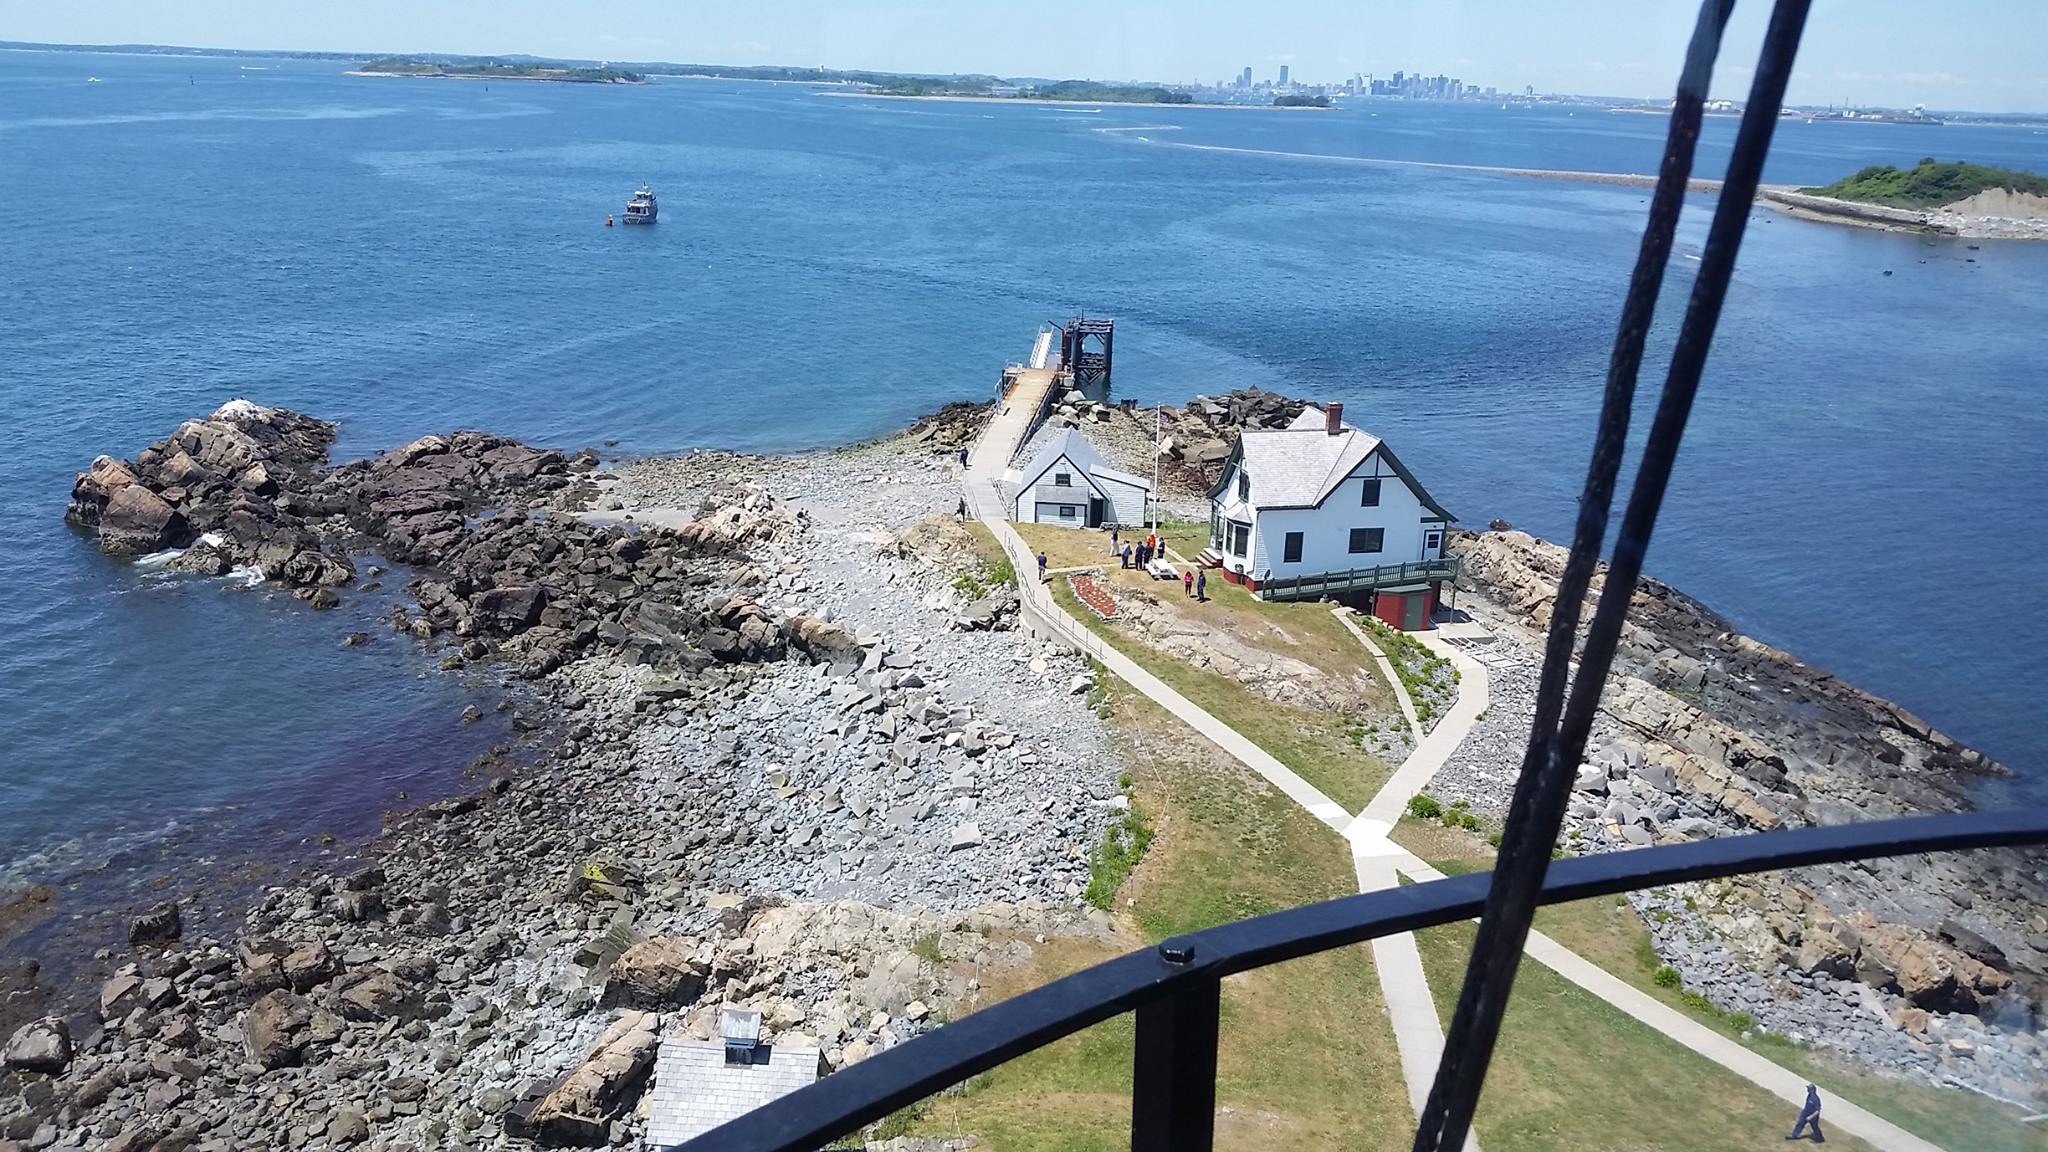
x,y
1357,579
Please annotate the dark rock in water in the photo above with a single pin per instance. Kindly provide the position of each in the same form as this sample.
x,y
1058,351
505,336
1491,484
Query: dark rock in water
x,y
472,714
277,1028
203,559
96,486
162,924
1499,525
137,521
355,640
39,1046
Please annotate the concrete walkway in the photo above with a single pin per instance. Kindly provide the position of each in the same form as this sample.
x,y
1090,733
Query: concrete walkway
x,y
1377,860
1412,1010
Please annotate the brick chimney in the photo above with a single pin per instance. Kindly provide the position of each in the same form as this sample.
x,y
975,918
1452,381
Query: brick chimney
x,y
1333,418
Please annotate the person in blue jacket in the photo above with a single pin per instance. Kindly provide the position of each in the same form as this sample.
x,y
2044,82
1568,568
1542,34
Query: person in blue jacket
x,y
1809,1116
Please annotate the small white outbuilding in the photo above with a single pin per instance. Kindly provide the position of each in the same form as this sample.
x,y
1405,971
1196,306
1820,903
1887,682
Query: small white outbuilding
x,y
1067,483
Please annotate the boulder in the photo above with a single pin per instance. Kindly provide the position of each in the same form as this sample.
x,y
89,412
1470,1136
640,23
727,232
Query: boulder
x,y
664,970
276,1029
39,1046
580,1107
377,995
513,608
259,964
94,487
310,965
136,521
1823,952
162,924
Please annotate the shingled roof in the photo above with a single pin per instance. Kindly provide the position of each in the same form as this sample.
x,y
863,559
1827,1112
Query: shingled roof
x,y
1300,465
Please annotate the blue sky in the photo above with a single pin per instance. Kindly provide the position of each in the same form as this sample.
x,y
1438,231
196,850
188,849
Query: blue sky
x,y
1986,55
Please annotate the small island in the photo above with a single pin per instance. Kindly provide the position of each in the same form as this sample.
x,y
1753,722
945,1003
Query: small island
x,y
1943,198
1296,100
480,68
989,88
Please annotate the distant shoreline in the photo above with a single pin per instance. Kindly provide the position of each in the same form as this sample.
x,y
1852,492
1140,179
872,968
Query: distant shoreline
x,y
1080,103
1884,218
481,76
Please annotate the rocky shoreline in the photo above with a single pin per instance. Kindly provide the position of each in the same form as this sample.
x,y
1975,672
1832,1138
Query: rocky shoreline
x,y
1929,966
765,771
782,751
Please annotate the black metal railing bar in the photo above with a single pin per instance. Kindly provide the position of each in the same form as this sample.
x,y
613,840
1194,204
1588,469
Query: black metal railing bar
x,y
1173,1093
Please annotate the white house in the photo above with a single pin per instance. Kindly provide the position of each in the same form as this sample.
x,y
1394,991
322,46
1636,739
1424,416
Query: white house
x,y
1067,483
1325,499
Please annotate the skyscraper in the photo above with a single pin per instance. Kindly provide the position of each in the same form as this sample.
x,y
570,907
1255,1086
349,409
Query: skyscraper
x,y
1244,79
1283,75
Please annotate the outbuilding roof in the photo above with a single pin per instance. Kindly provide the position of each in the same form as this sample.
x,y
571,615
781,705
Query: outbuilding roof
x,y
1082,455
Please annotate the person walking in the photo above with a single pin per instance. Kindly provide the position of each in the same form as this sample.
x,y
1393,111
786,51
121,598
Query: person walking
x,y
1187,584
1126,555
1115,539
1809,1116
962,513
1041,565
1202,586
963,457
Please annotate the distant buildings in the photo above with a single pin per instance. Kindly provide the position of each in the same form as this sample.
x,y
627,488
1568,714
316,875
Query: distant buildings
x,y
1283,75
1244,78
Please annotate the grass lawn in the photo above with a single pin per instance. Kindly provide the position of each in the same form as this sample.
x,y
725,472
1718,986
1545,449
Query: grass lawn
x,y
1227,846
1320,746
1572,1072
1608,932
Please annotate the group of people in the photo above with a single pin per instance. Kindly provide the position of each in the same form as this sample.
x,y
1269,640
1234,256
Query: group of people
x,y
1140,555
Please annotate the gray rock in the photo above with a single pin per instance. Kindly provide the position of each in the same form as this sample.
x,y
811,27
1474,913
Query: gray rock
x,y
39,1046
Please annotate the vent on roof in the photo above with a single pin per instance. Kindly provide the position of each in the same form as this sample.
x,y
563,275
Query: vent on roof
x,y
741,1030
1333,418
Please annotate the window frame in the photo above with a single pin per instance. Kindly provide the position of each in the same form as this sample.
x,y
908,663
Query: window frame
x,y
1377,537
1433,540
1063,479
1290,548
1369,493
1244,485
1067,512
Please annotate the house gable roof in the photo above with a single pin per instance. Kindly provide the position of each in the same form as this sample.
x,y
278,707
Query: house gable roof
x,y
1299,466
1074,448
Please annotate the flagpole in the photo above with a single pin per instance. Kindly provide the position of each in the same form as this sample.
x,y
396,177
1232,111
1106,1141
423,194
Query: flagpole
x,y
1158,426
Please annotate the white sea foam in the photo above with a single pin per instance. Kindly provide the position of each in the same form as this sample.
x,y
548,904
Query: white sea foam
x,y
248,576
156,560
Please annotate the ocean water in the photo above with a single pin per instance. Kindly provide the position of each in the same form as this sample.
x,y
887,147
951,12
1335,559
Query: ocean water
x,y
1859,483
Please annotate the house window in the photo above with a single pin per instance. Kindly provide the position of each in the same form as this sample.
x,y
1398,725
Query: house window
x,y
1066,511
1063,479
1290,548
1240,539
1367,539
1433,541
1370,498
1244,485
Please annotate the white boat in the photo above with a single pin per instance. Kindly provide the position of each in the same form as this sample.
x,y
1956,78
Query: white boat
x,y
642,209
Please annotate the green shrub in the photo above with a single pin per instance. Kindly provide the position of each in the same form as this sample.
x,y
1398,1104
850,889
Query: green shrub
x,y
1696,1002
1123,845
1666,977
1423,806
1743,1021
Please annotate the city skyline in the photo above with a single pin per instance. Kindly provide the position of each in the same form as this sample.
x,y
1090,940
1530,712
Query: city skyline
x,y
1853,53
